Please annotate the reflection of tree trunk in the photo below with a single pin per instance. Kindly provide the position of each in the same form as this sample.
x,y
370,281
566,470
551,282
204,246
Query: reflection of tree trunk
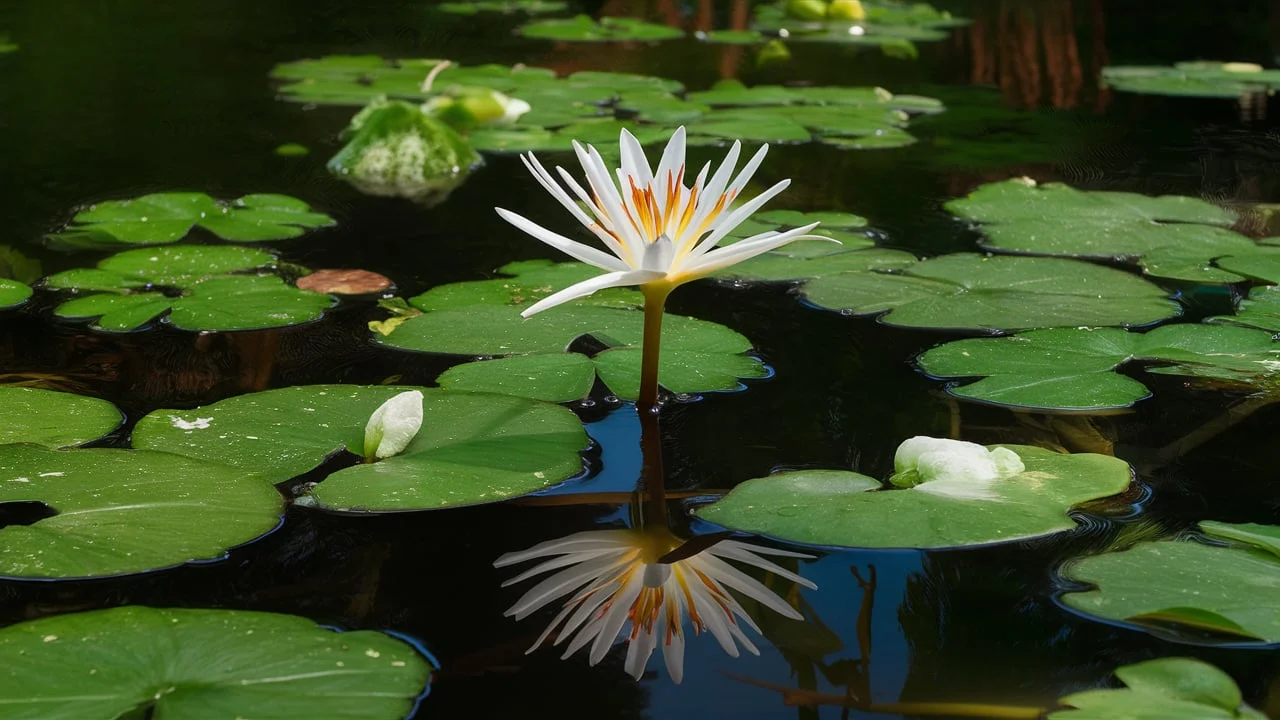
x,y
1100,58
705,18
731,55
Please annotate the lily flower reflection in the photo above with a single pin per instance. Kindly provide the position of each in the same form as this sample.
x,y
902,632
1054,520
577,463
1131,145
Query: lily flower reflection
x,y
613,577
661,233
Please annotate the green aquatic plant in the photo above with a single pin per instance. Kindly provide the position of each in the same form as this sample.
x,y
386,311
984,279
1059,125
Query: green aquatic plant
x,y
530,7
583,28
950,494
396,149
162,218
893,26
1223,585
136,661
660,233
1162,689
1193,79
190,287
54,419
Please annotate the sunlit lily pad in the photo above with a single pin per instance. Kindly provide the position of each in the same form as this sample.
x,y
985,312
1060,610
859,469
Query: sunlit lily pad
x,y
582,28
969,291
169,217
483,318
554,377
53,419
733,37
134,662
1192,79
1261,309
1074,368
1162,689
192,287
841,508
13,293
126,511
1171,236
1225,589
531,7
881,23
472,448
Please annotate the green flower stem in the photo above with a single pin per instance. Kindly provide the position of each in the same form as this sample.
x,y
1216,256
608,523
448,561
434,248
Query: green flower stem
x,y
655,298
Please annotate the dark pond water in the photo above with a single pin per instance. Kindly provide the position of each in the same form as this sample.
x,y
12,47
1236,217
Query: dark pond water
x,y
114,99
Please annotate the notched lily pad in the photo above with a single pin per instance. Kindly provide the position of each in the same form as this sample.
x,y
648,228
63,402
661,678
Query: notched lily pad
x,y
1162,689
1171,236
472,448
54,419
197,287
582,28
1228,590
1074,368
483,318
137,661
841,508
163,218
126,511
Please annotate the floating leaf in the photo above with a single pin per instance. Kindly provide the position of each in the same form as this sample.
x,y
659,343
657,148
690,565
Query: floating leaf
x,y
168,217
193,285
562,377
732,37
1225,589
472,448
483,318
127,511
531,7
1170,236
13,293
16,266
345,282
582,28
292,150
840,508
865,23
1163,689
1192,79
965,290
1074,368
136,661
53,419
1261,309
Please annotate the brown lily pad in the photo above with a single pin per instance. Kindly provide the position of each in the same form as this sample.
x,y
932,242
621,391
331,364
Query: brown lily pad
x,y
345,282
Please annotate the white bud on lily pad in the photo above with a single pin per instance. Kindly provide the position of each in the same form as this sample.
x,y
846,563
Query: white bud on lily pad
x,y
393,425
953,468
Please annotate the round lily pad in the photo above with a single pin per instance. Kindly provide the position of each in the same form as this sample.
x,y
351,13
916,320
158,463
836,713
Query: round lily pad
x,y
1171,236
893,26
472,448
582,28
531,7
1074,368
53,419
126,511
137,661
841,508
169,217
1192,79
1226,589
13,293
191,286
1162,689
969,291
483,318
554,377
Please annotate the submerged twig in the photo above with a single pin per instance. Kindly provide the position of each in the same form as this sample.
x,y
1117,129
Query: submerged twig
x,y
1233,416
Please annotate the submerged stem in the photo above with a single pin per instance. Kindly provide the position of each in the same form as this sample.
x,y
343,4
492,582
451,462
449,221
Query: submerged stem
x,y
1232,416
655,298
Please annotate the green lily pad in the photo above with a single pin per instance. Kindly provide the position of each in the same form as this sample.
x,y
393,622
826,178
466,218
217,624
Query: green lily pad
x,y
53,419
969,291
13,293
845,509
1228,589
134,661
1171,236
193,284
559,378
530,7
169,217
732,37
1163,689
126,511
16,266
882,23
483,318
1074,368
1192,79
472,448
1261,309
582,28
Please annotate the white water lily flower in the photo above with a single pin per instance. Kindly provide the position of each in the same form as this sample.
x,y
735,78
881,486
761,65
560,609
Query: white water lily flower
x,y
661,233
953,468
393,425
612,578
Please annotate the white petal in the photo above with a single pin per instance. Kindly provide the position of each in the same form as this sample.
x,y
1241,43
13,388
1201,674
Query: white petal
x,y
587,287
572,248
714,189
748,170
673,648
721,258
607,225
614,619
639,652
586,607
558,585
742,638
559,562
393,425
734,578
726,223
741,553
550,185
550,626
670,164
585,540
658,255
634,163
601,183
